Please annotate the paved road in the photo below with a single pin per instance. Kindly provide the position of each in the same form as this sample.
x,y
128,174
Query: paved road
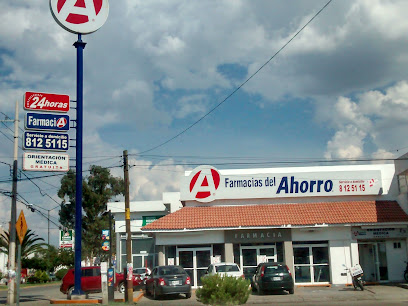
x,y
42,294
373,295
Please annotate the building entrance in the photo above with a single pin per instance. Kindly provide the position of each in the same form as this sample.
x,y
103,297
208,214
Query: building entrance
x,y
195,261
251,256
373,260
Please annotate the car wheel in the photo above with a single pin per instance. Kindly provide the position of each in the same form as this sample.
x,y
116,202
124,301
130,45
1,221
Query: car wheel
x,y
260,291
291,291
188,295
69,293
121,287
147,291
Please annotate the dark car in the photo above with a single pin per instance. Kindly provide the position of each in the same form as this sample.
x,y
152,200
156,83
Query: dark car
x,y
165,280
91,281
271,276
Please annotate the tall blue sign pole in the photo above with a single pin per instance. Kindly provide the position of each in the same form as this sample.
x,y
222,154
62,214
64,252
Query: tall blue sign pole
x,y
83,18
80,46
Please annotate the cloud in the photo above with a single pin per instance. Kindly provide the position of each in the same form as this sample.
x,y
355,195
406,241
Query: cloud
x,y
376,117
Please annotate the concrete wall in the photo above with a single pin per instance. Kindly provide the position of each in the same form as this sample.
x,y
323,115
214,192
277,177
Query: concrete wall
x,y
396,260
203,237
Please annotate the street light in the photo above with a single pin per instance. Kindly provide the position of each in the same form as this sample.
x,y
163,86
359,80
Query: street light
x,y
30,206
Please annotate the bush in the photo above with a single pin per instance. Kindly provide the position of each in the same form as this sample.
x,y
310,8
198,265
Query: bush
x,y
223,290
38,277
61,273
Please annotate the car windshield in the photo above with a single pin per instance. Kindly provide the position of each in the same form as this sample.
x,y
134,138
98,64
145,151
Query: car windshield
x,y
139,271
171,270
227,268
275,269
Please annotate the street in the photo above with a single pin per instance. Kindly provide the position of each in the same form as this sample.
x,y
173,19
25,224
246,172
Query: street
x,y
338,295
373,295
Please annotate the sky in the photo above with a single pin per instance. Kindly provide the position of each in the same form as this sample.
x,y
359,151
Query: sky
x,y
160,69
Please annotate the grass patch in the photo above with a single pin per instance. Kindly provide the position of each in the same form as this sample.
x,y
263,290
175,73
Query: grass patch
x,y
4,287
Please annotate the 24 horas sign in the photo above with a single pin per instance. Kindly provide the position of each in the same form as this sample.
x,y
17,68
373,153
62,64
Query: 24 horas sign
x,y
206,184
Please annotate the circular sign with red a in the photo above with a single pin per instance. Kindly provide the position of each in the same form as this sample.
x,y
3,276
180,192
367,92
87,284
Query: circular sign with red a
x,y
80,16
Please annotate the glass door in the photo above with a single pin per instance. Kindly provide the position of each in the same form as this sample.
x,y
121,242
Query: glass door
x,y
203,260
373,261
311,263
249,262
195,261
251,256
186,260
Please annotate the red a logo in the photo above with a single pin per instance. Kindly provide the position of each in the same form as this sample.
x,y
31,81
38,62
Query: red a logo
x,y
204,183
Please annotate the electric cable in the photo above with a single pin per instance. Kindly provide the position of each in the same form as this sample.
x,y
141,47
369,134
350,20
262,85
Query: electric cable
x,y
240,86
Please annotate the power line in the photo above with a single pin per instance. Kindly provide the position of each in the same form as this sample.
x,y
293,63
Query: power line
x,y
240,86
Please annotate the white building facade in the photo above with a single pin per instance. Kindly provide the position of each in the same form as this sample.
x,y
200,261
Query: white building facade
x,y
317,220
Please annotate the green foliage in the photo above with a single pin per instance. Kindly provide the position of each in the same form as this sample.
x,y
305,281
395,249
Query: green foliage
x,y
65,258
39,277
97,189
61,273
37,263
31,243
48,259
223,290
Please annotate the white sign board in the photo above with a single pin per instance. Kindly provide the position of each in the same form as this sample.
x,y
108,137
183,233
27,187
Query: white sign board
x,y
45,162
80,18
66,239
206,184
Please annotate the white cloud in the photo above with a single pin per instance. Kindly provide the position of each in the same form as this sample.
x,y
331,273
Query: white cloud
x,y
346,144
375,116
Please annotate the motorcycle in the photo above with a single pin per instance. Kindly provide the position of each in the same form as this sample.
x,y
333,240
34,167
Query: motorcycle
x,y
406,272
356,273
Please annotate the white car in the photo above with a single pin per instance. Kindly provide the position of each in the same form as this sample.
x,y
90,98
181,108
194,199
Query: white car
x,y
225,269
143,272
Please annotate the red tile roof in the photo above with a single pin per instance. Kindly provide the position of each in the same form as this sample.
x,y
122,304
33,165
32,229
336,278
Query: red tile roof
x,y
353,212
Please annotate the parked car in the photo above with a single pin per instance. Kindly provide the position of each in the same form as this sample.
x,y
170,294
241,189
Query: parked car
x,y
224,269
272,276
166,280
91,281
143,272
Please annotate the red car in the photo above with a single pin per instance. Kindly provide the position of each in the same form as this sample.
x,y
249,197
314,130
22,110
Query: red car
x,y
91,281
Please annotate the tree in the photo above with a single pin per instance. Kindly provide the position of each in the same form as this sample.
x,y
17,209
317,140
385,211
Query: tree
x,y
97,189
31,243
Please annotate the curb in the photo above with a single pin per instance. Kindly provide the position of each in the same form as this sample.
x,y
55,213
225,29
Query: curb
x,y
93,301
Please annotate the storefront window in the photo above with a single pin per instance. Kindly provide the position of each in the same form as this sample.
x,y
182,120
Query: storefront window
x,y
249,257
311,263
186,259
301,255
237,255
320,255
321,274
302,274
219,250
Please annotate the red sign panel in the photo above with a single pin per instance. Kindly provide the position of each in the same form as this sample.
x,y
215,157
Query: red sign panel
x,y
46,102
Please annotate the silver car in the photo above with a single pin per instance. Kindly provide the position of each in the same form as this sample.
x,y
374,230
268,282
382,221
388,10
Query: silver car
x,y
225,269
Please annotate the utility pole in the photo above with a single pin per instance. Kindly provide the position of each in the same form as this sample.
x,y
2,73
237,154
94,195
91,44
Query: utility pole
x,y
12,242
129,266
